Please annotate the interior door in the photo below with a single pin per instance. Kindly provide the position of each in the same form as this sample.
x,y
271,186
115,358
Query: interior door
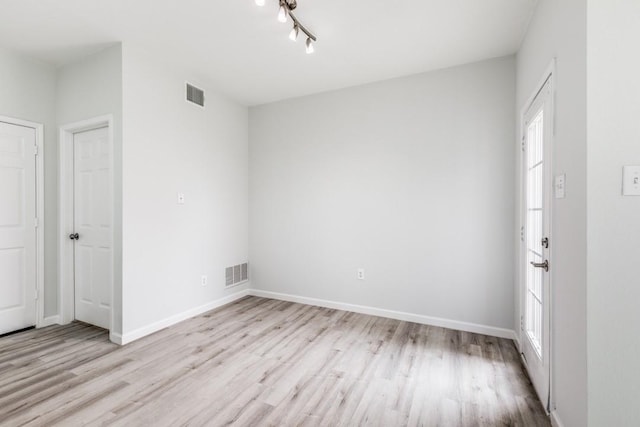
x,y
92,234
17,227
537,240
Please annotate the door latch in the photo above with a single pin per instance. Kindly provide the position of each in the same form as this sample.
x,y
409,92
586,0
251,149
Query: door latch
x,y
545,242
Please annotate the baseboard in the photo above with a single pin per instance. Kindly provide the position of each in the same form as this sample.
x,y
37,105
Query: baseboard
x,y
169,321
48,321
136,334
516,339
391,314
555,419
115,338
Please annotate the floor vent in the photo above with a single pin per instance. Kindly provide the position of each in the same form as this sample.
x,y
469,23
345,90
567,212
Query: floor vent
x,y
236,274
195,95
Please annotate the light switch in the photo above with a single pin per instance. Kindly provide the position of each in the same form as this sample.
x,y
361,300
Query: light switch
x,y
631,181
558,185
181,198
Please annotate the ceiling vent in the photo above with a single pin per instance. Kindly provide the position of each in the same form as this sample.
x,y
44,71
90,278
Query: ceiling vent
x,y
195,95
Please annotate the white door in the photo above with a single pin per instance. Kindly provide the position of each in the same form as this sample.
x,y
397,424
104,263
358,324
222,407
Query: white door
x,y
17,227
536,240
92,234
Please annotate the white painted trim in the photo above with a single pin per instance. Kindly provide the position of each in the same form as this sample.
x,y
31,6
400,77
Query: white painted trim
x,y
549,71
391,314
51,320
555,419
115,338
516,339
66,309
41,224
176,318
39,128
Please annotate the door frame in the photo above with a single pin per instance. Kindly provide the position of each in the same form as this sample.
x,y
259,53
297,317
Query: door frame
x,y
549,76
66,290
40,320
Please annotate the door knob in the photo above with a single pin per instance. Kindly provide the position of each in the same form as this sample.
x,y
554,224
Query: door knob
x,y
544,265
74,236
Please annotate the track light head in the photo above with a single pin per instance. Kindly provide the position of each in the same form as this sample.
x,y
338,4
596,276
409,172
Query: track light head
x,y
282,13
293,35
309,45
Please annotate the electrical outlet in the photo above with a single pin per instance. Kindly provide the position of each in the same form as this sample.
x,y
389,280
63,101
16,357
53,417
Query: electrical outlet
x,y
361,274
203,280
631,181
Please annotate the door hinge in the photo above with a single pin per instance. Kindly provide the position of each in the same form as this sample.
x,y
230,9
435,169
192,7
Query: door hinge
x,y
35,150
522,323
37,293
36,223
522,233
523,141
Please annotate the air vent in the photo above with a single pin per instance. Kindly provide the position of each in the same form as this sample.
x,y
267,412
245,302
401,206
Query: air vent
x,y
245,272
195,95
236,274
228,276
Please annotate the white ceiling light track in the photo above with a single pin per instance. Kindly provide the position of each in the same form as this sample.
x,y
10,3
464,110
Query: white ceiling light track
x,y
286,10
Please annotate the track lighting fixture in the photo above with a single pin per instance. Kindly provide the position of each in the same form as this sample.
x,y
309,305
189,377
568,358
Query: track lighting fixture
x,y
285,11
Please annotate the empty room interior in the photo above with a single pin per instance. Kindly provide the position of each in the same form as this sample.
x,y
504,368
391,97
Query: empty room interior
x,y
304,212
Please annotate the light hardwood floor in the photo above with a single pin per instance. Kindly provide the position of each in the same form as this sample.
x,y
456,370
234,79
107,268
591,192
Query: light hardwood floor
x,y
265,362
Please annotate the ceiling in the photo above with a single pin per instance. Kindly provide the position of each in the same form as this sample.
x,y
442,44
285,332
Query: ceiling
x,y
242,49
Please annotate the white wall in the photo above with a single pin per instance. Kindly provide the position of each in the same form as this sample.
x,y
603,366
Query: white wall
x,y
90,88
410,179
614,221
27,91
172,146
558,30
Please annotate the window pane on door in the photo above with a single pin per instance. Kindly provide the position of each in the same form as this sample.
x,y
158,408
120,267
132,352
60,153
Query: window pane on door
x,y
534,229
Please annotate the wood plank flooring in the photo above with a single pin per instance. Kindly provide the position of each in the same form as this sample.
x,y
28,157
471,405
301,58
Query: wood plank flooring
x,y
265,362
